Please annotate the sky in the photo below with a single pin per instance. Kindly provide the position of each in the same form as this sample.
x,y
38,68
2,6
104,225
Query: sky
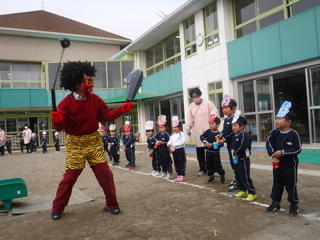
x,y
124,17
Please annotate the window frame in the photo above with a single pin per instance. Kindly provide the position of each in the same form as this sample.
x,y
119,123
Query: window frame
x,y
215,92
285,7
192,43
214,32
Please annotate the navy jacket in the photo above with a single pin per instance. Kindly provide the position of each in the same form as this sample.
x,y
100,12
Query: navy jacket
x,y
288,143
151,142
209,136
129,142
227,132
115,141
241,145
164,137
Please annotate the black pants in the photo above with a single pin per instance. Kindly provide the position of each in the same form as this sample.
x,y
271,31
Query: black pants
x,y
155,161
179,158
57,146
44,149
9,149
114,158
285,178
2,150
201,158
21,148
213,161
236,177
165,160
130,155
28,147
243,171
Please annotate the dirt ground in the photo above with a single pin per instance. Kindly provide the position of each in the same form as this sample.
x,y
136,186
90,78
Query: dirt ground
x,y
158,209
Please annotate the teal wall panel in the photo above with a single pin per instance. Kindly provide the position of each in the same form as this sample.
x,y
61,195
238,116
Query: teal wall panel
x,y
266,54
165,82
289,41
15,98
240,56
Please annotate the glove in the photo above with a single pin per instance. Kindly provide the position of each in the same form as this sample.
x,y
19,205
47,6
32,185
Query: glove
x,y
126,107
57,116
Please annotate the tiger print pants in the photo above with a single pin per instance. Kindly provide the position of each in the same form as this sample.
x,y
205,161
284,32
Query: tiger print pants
x,y
80,149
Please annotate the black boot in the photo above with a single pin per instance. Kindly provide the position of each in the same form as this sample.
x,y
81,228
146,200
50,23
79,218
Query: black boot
x,y
55,216
211,179
294,209
114,211
273,207
222,179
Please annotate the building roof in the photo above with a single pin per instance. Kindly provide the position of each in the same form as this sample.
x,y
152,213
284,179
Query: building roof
x,y
44,21
166,27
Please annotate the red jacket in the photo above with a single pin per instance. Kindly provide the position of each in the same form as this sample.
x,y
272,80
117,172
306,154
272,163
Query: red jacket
x,y
81,117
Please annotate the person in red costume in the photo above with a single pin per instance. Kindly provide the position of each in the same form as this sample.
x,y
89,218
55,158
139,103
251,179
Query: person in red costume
x,y
79,114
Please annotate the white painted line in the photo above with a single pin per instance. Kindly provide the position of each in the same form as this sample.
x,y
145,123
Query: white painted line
x,y
311,216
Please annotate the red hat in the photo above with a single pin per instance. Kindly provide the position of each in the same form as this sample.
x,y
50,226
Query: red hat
x,y
127,126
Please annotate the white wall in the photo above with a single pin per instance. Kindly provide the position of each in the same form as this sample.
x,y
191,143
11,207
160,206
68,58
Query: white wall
x,y
208,65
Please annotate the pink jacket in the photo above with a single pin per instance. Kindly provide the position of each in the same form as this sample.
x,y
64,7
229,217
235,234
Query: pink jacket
x,y
27,135
2,137
198,119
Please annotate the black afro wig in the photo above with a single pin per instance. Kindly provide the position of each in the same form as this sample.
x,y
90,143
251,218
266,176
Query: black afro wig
x,y
72,74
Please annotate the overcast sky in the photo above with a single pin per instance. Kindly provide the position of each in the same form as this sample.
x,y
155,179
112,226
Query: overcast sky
x,y
129,18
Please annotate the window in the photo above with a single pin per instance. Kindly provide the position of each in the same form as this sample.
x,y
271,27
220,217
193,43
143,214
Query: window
x,y
126,68
114,74
20,75
215,92
52,71
190,36
252,15
211,25
164,54
100,80
259,114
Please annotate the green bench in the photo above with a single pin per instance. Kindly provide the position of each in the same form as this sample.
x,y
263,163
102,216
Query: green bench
x,y
10,189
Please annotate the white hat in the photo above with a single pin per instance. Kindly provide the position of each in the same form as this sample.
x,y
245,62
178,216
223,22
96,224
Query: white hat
x,y
149,125
236,116
44,133
112,127
56,133
175,121
162,120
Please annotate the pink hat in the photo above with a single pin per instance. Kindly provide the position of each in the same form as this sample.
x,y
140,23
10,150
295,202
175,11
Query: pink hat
x,y
175,121
162,120
127,126
212,117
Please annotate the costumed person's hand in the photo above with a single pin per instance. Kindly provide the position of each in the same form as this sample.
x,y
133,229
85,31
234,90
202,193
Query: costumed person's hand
x,y
126,107
57,116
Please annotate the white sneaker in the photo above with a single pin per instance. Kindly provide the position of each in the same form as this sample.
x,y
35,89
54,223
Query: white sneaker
x,y
153,173
163,174
200,173
157,174
168,176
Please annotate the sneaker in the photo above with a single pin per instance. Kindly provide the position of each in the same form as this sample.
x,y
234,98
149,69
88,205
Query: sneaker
x,y
241,194
211,179
200,173
153,172
233,187
157,174
273,207
114,211
167,176
55,216
223,179
163,174
294,210
251,198
183,179
180,179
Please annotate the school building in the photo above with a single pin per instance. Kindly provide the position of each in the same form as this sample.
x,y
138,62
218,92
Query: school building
x,y
29,56
260,52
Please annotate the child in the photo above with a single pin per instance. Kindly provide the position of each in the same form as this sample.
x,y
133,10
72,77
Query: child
x,y
241,148
21,143
228,108
113,142
44,142
212,151
9,144
56,141
284,146
153,152
104,136
177,143
162,139
129,140
33,142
